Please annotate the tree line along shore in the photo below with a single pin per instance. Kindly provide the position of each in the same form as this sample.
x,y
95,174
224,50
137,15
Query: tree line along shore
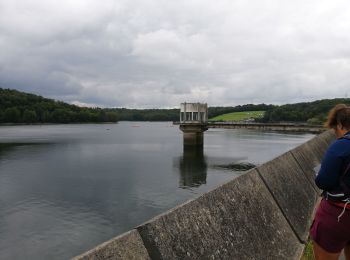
x,y
19,107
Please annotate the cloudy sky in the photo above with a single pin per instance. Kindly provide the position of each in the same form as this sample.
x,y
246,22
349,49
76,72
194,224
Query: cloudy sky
x,y
159,53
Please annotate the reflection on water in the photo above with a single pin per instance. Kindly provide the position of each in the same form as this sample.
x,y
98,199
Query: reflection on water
x,y
8,150
8,147
5,147
192,167
66,188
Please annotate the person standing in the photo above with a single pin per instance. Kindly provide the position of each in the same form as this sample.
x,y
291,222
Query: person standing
x,y
330,230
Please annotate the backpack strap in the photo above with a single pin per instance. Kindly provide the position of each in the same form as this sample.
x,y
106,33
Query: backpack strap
x,y
342,183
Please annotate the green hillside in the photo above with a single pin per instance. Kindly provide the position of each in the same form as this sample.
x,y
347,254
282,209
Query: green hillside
x,y
20,107
239,116
217,111
312,112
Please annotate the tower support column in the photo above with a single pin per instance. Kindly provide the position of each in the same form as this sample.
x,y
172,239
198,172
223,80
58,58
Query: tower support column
x,y
193,134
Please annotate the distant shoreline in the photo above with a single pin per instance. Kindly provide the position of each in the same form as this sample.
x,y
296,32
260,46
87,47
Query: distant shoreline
x,y
72,123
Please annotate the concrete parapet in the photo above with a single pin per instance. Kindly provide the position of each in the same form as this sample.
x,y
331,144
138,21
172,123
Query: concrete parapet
x,y
126,246
238,220
320,143
308,160
309,155
292,191
328,136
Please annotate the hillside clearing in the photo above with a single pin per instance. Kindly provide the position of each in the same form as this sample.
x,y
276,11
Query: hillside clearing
x,y
239,116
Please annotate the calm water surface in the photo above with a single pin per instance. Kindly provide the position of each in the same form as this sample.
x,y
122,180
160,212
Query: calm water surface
x,y
67,188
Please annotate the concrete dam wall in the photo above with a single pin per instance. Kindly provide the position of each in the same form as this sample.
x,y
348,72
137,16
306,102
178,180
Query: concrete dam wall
x,y
286,127
263,214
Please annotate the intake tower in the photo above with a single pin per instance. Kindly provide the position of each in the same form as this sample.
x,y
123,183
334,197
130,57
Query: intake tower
x,y
193,122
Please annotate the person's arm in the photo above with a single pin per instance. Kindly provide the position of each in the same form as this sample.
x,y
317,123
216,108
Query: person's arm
x,y
327,178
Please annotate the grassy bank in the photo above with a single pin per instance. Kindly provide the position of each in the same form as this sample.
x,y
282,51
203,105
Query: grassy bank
x,y
239,116
308,252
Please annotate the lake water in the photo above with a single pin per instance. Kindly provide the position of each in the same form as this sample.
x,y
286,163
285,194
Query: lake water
x,y
66,188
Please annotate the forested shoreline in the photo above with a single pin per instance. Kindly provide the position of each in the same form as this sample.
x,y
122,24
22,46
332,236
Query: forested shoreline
x,y
19,107
314,112
25,108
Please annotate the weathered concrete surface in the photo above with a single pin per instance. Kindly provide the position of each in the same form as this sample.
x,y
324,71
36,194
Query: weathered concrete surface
x,y
126,246
320,143
310,154
308,160
193,134
292,191
193,112
238,220
328,136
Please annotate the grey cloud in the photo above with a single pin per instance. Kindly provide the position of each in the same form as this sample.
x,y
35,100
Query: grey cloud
x,y
159,53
